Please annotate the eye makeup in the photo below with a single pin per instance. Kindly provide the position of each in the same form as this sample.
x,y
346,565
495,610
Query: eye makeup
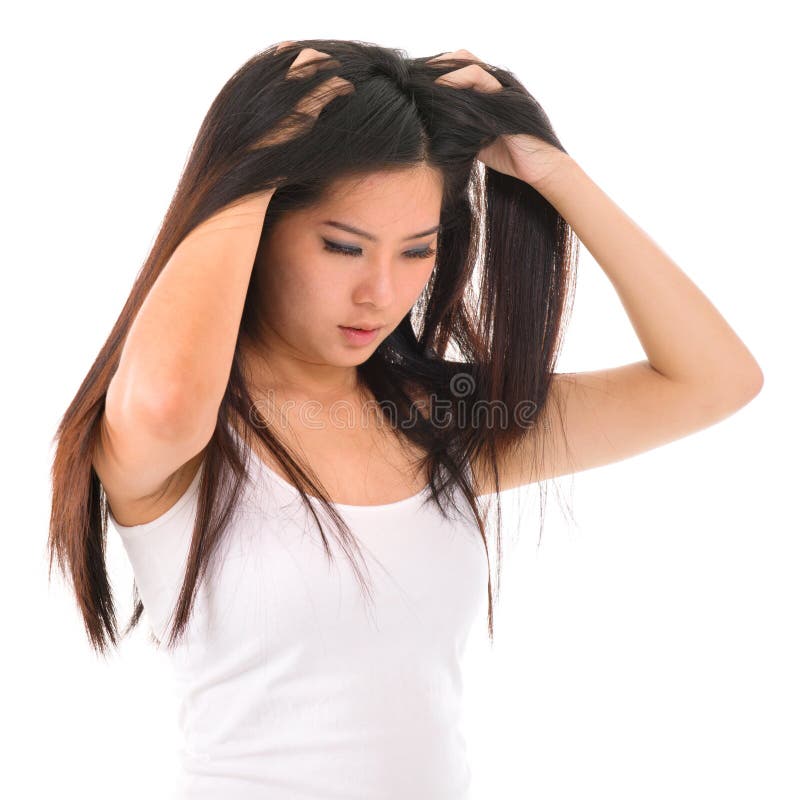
x,y
334,247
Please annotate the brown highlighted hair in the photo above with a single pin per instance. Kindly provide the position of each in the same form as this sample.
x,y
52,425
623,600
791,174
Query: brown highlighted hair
x,y
502,285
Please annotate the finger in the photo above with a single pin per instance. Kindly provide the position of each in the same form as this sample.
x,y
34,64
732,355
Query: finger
x,y
309,61
454,54
283,45
320,95
305,112
464,54
471,77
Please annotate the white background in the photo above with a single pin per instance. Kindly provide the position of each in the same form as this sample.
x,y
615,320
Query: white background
x,y
647,650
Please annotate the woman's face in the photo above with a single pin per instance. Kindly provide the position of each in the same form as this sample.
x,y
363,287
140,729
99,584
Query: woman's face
x,y
309,290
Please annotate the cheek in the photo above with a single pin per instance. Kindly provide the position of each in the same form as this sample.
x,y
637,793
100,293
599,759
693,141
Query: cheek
x,y
417,286
312,302
291,289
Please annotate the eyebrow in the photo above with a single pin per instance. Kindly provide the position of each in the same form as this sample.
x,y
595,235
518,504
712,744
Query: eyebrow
x,y
371,238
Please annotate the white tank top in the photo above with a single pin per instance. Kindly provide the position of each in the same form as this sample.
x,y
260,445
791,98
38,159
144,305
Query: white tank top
x,y
292,685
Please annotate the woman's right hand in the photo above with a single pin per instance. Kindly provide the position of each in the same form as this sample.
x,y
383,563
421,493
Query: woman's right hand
x,y
307,110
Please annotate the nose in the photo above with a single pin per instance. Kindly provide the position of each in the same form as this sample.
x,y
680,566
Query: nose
x,y
376,285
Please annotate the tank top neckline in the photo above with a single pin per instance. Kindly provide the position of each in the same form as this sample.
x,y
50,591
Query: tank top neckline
x,y
347,506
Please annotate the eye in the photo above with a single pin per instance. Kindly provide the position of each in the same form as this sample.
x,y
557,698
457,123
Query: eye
x,y
333,247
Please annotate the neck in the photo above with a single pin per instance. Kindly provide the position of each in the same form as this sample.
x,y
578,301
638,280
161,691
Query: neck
x,y
296,379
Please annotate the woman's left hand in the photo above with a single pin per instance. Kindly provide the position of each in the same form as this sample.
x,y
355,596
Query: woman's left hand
x,y
519,155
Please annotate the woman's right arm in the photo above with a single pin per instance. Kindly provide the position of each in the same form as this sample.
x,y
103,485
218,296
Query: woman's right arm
x,y
176,361
162,402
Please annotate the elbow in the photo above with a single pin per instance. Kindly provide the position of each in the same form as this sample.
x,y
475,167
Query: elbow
x,y
180,414
168,411
171,412
753,381
165,405
758,382
725,395
748,384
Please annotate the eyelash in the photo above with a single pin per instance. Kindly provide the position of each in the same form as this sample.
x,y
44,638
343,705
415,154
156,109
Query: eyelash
x,y
356,251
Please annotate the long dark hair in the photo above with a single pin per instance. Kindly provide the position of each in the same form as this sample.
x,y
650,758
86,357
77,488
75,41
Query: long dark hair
x,y
502,284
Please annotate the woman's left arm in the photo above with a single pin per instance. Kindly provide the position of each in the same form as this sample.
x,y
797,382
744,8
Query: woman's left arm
x,y
697,372
685,338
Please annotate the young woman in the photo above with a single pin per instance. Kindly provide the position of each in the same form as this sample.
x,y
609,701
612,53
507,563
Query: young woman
x,y
354,307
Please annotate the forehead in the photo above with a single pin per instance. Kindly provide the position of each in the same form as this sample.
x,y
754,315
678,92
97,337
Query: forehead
x,y
378,192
